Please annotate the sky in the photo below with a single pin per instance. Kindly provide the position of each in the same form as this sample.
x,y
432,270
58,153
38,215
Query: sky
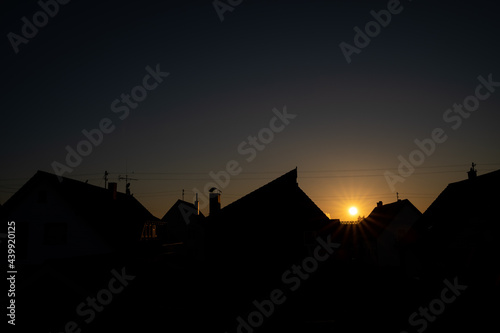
x,y
172,92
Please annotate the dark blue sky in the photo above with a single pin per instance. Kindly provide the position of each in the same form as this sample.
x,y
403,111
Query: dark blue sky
x,y
352,120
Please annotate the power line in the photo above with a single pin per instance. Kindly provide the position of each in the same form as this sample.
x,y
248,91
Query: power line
x,y
464,165
277,172
236,178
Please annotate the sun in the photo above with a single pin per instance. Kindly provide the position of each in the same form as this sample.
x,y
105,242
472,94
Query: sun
x,y
353,211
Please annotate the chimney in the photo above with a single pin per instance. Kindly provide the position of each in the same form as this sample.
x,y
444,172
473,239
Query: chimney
x,y
112,187
197,205
472,173
214,201
379,204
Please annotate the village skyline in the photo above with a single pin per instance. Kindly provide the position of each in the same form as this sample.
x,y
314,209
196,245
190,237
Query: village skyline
x,y
250,166
62,225
163,102
335,204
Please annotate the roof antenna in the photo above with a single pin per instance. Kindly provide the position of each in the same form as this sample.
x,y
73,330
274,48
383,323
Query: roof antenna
x,y
127,184
397,196
182,194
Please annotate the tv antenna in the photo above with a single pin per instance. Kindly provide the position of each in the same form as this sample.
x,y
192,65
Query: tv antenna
x,y
127,184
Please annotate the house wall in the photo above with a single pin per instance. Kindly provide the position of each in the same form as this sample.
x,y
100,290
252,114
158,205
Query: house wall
x,y
387,243
32,219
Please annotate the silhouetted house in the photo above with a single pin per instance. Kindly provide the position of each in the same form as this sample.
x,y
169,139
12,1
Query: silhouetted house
x,y
183,228
460,228
68,218
253,240
376,239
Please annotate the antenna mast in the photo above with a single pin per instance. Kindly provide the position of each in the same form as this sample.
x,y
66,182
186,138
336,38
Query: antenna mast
x,y
127,184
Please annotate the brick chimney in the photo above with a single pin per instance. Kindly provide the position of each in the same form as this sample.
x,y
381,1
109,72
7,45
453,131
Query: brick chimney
x,y
214,204
112,187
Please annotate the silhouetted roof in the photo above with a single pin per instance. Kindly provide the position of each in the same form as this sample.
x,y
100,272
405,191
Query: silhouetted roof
x,y
119,220
175,214
462,202
462,218
382,216
371,227
281,197
260,235
179,219
269,220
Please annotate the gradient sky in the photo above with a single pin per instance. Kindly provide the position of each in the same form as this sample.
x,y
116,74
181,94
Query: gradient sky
x,y
352,120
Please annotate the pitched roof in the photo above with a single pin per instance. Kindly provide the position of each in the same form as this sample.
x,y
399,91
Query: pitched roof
x,y
180,218
382,216
282,196
119,220
371,227
260,235
460,228
463,204
269,223
175,212
468,195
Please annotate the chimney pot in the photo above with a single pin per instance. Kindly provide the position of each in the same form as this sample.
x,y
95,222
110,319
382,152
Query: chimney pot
x,y
112,187
472,173
379,204
214,202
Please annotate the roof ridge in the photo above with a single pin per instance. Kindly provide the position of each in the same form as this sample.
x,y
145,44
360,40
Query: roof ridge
x,y
489,174
283,178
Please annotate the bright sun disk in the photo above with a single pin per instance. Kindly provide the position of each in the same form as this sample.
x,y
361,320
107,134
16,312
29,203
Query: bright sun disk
x,y
353,210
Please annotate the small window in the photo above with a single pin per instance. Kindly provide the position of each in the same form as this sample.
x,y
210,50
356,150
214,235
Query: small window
x,y
149,231
55,233
42,197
